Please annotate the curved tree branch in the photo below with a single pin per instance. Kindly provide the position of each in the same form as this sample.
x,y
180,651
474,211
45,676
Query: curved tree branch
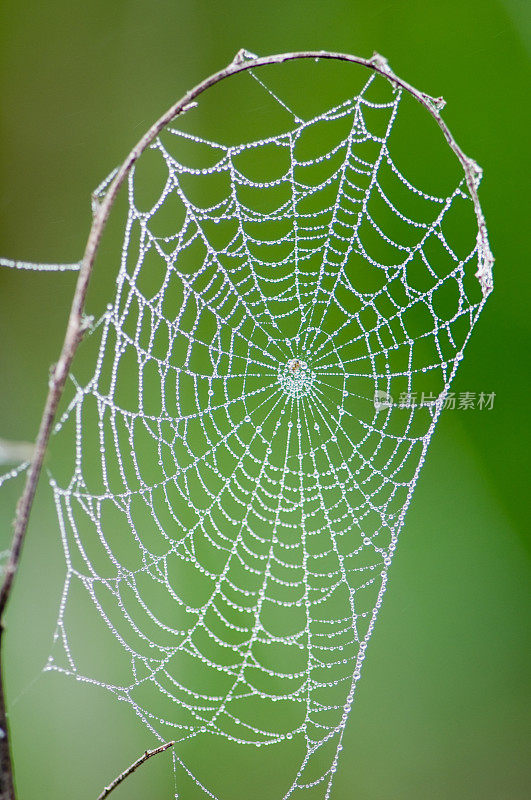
x,y
77,324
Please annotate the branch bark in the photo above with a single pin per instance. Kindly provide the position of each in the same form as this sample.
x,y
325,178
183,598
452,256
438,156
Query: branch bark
x,y
76,326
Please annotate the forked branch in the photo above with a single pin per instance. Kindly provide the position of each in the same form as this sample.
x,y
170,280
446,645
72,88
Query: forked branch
x,y
102,204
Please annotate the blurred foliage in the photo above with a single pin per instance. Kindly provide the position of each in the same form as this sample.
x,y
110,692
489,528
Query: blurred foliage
x,y
441,709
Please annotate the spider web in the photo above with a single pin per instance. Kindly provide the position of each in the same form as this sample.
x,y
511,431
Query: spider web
x,y
241,462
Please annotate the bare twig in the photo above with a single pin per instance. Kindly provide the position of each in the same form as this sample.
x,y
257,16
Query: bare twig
x,y
7,789
102,209
138,763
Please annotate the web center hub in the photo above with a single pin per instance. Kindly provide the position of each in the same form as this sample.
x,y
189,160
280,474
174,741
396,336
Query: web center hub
x,y
296,377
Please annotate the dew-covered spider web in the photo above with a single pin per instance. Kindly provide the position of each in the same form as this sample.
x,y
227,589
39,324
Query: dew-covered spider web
x,y
289,313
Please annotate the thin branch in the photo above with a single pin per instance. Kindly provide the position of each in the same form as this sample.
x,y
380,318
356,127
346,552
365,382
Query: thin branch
x,y
138,763
102,206
7,789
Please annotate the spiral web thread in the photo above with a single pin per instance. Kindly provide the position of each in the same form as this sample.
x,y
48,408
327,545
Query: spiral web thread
x,y
235,494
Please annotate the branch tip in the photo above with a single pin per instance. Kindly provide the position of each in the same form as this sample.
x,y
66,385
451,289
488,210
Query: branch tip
x,y
134,766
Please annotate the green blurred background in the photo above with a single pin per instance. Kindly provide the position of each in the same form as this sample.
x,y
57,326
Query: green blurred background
x,y
442,710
